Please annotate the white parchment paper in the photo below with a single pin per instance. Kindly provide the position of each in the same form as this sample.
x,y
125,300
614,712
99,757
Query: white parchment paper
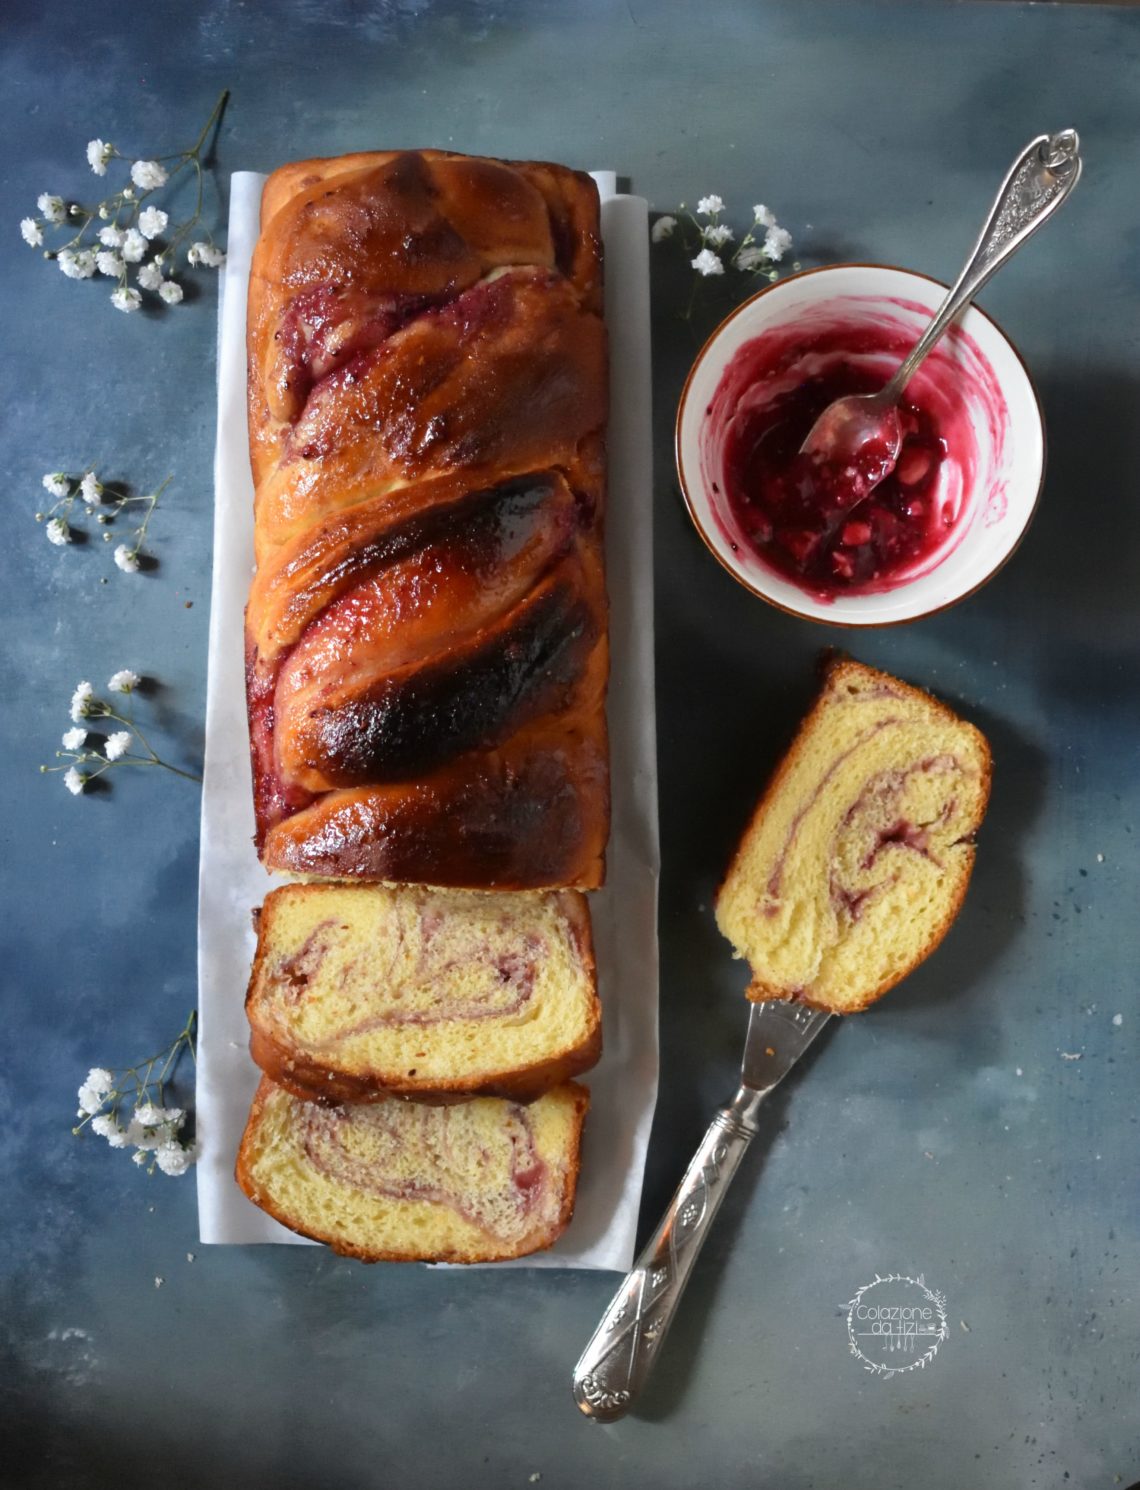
x,y
232,883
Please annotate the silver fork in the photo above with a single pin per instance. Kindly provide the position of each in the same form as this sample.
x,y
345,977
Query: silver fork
x,y
615,1365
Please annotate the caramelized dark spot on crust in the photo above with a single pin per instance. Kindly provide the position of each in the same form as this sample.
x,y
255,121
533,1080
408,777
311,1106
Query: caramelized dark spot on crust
x,y
477,517
470,698
486,526
489,821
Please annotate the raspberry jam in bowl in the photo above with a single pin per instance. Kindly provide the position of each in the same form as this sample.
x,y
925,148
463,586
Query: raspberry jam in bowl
x,y
848,545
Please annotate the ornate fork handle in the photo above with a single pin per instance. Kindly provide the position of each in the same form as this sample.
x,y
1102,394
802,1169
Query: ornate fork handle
x,y
616,1363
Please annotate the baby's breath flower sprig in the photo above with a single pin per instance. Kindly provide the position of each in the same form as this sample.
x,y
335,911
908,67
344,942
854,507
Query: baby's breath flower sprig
x,y
84,760
152,1129
711,245
104,501
114,236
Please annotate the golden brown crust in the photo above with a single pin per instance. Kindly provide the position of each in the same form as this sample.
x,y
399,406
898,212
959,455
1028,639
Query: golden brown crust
x,y
529,1245
288,1068
426,352
839,670
313,1081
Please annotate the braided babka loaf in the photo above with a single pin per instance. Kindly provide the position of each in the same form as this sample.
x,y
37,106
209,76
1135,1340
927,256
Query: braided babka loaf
x,y
856,861
402,1181
364,991
426,633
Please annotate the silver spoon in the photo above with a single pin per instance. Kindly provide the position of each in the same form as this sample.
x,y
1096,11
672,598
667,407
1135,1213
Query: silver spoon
x,y
1038,182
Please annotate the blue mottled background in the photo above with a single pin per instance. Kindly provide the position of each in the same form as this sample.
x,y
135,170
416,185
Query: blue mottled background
x,y
942,1133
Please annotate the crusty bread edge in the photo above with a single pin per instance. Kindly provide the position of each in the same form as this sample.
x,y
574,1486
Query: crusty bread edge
x,y
289,180
527,1247
289,1067
836,667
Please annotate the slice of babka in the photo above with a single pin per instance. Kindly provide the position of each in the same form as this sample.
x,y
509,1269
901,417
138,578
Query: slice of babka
x,y
402,1181
856,861
363,991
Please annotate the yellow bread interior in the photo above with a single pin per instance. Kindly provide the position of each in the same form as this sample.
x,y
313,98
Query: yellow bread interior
x,y
475,1181
419,987
856,861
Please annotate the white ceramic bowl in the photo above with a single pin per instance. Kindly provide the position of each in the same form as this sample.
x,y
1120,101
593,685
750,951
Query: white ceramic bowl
x,y
988,375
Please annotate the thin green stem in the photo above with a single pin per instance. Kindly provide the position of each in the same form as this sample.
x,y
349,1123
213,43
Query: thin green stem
x,y
214,115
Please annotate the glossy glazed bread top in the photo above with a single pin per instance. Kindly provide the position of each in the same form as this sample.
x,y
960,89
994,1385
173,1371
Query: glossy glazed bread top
x,y
426,633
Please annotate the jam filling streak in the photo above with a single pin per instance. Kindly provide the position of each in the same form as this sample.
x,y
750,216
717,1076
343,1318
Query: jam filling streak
x,y
434,1136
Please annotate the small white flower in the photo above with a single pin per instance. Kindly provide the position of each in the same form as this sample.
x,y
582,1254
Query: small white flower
x,y
128,194
707,206
74,780
764,215
98,154
110,263
117,1137
31,232
53,208
104,1126
57,483
717,234
174,1159
124,681
77,263
81,702
104,212
142,1137
750,257
138,1157
150,276
152,220
126,559
125,299
162,1122
205,254
170,292
133,246
91,489
663,228
148,175
74,739
117,744
58,532
777,241
111,236
707,262
97,1086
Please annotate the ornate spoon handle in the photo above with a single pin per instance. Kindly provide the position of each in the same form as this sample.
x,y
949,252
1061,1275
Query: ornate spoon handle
x,y
1038,182
616,1363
